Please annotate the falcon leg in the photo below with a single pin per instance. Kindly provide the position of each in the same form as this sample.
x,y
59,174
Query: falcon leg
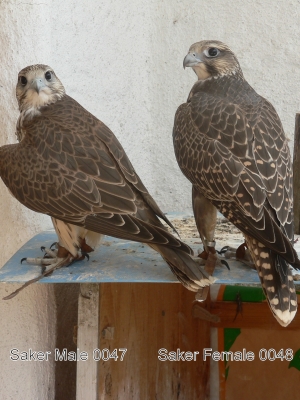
x,y
206,218
210,257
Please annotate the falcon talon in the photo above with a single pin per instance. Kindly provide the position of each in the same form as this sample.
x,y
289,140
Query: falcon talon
x,y
226,264
223,250
50,253
85,255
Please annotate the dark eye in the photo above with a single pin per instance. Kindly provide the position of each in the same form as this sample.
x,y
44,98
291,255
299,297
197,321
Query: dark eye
x,y
48,75
23,80
212,52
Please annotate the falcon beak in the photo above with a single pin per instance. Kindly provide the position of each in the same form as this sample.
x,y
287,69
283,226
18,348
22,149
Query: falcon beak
x,y
192,59
38,84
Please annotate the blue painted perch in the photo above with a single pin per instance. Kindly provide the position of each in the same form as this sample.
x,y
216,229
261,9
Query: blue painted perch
x,y
114,261
122,261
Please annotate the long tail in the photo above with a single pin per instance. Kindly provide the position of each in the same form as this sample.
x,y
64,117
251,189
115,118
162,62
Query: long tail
x,y
187,271
174,252
277,281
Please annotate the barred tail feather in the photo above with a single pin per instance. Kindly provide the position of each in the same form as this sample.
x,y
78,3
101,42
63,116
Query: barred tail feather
x,y
276,279
187,271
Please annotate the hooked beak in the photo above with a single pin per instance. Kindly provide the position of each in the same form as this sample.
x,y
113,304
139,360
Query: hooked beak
x,y
192,59
38,84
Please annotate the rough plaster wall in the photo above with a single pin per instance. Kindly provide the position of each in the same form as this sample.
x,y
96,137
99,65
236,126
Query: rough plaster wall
x,y
265,37
124,64
24,325
22,41
27,321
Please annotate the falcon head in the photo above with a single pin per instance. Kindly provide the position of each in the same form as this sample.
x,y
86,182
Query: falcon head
x,y
38,86
211,58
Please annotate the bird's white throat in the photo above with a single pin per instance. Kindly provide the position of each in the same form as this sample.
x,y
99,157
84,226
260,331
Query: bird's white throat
x,y
34,100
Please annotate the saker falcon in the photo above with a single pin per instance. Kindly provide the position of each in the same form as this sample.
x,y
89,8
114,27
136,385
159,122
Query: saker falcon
x,y
69,165
229,142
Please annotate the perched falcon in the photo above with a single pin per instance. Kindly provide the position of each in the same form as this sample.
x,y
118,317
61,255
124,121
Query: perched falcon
x,y
69,165
229,142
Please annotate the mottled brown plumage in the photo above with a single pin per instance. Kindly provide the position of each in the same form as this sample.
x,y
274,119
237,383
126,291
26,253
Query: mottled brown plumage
x,y
69,165
229,142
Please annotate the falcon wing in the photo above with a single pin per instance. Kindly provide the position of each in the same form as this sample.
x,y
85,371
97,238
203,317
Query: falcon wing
x,y
238,157
70,165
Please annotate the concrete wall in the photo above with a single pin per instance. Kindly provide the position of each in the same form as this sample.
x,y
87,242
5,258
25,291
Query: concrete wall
x,y
123,62
29,320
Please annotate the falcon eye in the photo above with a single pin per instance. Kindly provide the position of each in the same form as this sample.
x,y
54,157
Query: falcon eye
x,y
23,80
212,52
48,75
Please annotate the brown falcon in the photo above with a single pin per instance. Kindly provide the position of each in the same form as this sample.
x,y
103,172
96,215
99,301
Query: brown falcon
x,y
229,142
69,165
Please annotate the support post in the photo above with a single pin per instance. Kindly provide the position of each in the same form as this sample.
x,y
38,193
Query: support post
x,y
87,341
